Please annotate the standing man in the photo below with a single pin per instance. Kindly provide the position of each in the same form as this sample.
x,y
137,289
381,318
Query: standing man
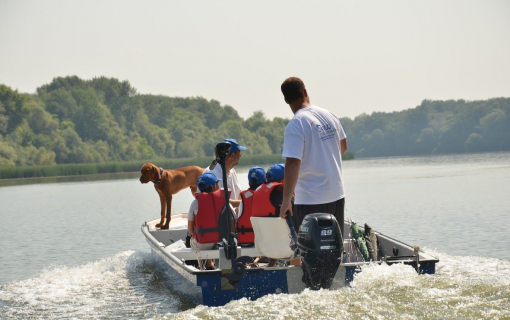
x,y
313,145
231,161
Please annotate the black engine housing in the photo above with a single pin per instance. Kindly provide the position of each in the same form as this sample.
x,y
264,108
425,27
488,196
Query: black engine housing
x,y
321,247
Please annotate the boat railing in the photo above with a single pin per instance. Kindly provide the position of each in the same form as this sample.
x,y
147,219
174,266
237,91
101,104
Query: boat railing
x,y
191,254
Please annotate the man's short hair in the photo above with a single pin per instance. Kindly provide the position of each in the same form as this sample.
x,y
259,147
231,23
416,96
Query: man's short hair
x,y
293,88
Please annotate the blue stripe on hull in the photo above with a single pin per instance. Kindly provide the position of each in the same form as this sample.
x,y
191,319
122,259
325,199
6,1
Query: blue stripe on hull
x,y
252,286
427,268
350,272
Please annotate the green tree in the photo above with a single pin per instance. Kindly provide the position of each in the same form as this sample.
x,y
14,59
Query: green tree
x,y
12,108
72,120
61,103
3,120
7,154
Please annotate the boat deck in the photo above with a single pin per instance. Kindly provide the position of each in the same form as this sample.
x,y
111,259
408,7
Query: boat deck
x,y
389,250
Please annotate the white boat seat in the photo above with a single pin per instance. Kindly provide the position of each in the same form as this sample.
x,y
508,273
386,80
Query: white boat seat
x,y
272,237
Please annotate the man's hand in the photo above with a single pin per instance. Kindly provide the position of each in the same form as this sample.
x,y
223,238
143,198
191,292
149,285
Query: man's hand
x,y
286,206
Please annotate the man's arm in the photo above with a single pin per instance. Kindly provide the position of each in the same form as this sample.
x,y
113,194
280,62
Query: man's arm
x,y
343,146
291,176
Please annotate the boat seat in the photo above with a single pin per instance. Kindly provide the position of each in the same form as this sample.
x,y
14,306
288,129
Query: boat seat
x,y
272,237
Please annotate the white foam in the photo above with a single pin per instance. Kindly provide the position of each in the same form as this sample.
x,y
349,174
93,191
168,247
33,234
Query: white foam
x,y
124,286
388,292
473,269
110,287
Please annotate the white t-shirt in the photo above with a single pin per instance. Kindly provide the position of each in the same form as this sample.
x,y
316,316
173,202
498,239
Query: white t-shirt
x,y
313,136
232,182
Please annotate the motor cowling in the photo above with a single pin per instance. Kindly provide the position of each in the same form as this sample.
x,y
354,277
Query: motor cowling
x,y
320,245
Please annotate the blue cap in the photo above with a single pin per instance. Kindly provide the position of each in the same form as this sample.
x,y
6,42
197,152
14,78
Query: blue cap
x,y
234,146
275,172
206,180
256,175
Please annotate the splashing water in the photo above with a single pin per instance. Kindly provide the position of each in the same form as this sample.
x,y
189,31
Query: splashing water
x,y
127,286
462,288
123,286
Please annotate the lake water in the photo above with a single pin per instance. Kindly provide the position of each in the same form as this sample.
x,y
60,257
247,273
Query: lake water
x,y
72,249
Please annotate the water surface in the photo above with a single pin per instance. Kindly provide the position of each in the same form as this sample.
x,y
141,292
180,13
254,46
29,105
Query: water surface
x,y
73,249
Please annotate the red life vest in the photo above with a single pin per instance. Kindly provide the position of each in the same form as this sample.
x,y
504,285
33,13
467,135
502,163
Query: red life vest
x,y
206,219
245,233
262,206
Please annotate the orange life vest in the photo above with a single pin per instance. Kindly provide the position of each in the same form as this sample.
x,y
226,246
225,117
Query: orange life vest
x,y
206,219
262,206
245,233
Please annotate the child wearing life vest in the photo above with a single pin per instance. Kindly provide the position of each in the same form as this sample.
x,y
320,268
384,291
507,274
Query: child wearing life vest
x,y
203,214
245,235
268,198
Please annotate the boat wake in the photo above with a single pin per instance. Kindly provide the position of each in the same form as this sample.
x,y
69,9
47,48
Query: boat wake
x,y
123,286
462,288
128,285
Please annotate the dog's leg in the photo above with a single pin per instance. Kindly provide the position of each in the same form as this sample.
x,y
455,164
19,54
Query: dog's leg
x,y
193,189
168,212
163,209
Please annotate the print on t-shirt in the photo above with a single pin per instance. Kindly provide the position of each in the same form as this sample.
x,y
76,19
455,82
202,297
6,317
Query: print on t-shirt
x,y
325,131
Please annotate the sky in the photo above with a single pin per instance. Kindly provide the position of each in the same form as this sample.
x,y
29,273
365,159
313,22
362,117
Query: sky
x,y
354,56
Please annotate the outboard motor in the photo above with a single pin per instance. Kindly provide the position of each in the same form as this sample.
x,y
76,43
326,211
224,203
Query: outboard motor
x,y
321,247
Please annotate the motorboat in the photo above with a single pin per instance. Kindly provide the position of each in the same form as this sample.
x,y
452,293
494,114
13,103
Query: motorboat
x,y
231,281
281,260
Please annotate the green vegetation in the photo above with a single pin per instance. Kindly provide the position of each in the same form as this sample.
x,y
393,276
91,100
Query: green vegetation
x,y
75,126
434,127
104,120
118,167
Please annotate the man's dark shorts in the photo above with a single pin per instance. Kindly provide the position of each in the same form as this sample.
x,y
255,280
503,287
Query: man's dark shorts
x,y
335,208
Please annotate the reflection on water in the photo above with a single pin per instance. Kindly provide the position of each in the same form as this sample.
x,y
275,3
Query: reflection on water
x,y
456,204
83,178
75,250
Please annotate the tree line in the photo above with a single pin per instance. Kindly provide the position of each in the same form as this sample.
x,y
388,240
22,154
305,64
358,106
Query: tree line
x,y
103,120
433,127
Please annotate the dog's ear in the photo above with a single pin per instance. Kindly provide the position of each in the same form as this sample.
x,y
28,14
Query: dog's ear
x,y
157,175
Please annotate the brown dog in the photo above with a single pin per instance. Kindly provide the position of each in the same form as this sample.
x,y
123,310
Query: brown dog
x,y
169,182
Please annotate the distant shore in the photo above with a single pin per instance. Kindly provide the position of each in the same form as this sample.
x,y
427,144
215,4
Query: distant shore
x,y
73,169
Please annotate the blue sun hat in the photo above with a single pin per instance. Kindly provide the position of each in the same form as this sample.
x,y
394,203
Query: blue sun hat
x,y
234,146
256,177
206,180
275,172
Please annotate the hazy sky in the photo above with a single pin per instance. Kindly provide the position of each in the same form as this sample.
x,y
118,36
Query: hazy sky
x,y
354,57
